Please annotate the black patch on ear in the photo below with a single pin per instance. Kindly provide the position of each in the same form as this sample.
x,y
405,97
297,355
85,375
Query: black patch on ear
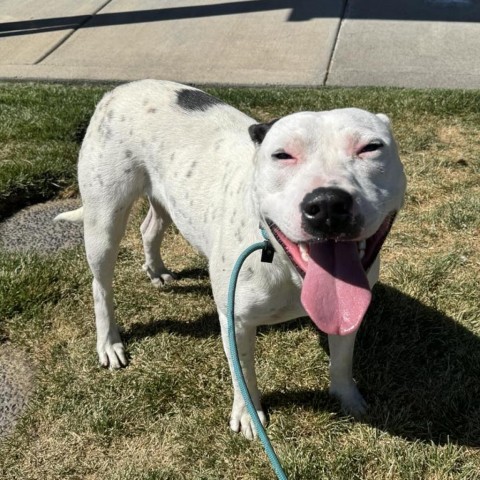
x,y
259,130
196,100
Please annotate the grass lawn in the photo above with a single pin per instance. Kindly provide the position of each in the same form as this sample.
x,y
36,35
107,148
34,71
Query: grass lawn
x,y
165,416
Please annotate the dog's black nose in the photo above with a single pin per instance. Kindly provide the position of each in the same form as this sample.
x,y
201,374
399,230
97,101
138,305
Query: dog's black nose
x,y
327,211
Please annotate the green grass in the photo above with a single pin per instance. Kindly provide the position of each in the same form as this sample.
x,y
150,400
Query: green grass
x,y
39,136
165,416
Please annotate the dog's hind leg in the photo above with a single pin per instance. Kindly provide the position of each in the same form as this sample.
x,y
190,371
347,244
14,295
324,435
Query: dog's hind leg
x,y
153,229
105,225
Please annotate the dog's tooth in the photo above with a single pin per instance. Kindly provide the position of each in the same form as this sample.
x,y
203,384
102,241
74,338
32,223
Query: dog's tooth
x,y
304,252
361,245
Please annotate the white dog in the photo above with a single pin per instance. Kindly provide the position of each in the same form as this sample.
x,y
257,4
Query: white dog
x,y
324,185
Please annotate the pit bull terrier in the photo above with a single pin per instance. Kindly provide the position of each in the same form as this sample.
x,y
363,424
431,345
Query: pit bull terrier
x,y
325,186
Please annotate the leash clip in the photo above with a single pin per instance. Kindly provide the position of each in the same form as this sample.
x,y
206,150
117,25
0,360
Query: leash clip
x,y
267,252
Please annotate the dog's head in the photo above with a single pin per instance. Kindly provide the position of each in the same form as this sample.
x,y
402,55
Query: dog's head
x,y
328,185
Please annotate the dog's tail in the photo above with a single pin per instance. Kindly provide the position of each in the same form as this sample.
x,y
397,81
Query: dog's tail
x,y
74,216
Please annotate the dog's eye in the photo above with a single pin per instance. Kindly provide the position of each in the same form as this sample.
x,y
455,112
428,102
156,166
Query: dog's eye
x,y
282,156
371,147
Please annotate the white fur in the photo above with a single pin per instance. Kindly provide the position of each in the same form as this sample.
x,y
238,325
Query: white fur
x,y
74,216
202,170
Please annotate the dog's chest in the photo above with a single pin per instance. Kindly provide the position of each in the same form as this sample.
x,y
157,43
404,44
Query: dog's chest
x,y
268,293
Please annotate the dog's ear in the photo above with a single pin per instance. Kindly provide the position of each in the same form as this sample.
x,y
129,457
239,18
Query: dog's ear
x,y
259,130
383,118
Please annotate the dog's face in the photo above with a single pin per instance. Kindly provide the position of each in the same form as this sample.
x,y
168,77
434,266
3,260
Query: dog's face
x,y
348,150
325,178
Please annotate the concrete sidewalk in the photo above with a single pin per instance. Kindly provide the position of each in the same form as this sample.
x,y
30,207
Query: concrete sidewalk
x,y
412,43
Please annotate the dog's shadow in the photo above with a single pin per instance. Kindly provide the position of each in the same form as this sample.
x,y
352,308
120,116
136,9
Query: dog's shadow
x,y
418,369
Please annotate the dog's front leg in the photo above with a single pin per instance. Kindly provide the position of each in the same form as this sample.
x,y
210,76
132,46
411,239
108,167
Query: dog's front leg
x,y
342,384
245,336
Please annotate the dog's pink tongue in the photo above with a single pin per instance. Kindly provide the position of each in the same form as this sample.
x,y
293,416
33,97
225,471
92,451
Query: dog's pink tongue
x,y
335,290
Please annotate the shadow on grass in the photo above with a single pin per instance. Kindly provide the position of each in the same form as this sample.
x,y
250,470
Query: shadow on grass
x,y
203,327
418,369
199,273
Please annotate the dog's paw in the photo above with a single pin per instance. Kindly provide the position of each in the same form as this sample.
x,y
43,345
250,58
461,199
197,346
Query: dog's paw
x,y
350,398
112,355
240,421
159,279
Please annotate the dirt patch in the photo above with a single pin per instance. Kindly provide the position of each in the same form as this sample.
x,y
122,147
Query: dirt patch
x,y
16,382
33,229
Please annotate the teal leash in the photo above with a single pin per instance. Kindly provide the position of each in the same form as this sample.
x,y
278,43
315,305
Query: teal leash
x,y
267,256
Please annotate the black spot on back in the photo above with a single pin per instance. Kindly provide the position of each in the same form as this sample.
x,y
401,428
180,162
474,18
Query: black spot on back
x,y
196,100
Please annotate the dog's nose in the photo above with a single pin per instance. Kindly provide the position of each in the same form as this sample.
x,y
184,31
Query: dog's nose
x,y
327,211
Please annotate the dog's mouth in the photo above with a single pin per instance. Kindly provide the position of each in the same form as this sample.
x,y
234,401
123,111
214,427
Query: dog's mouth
x,y
335,290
